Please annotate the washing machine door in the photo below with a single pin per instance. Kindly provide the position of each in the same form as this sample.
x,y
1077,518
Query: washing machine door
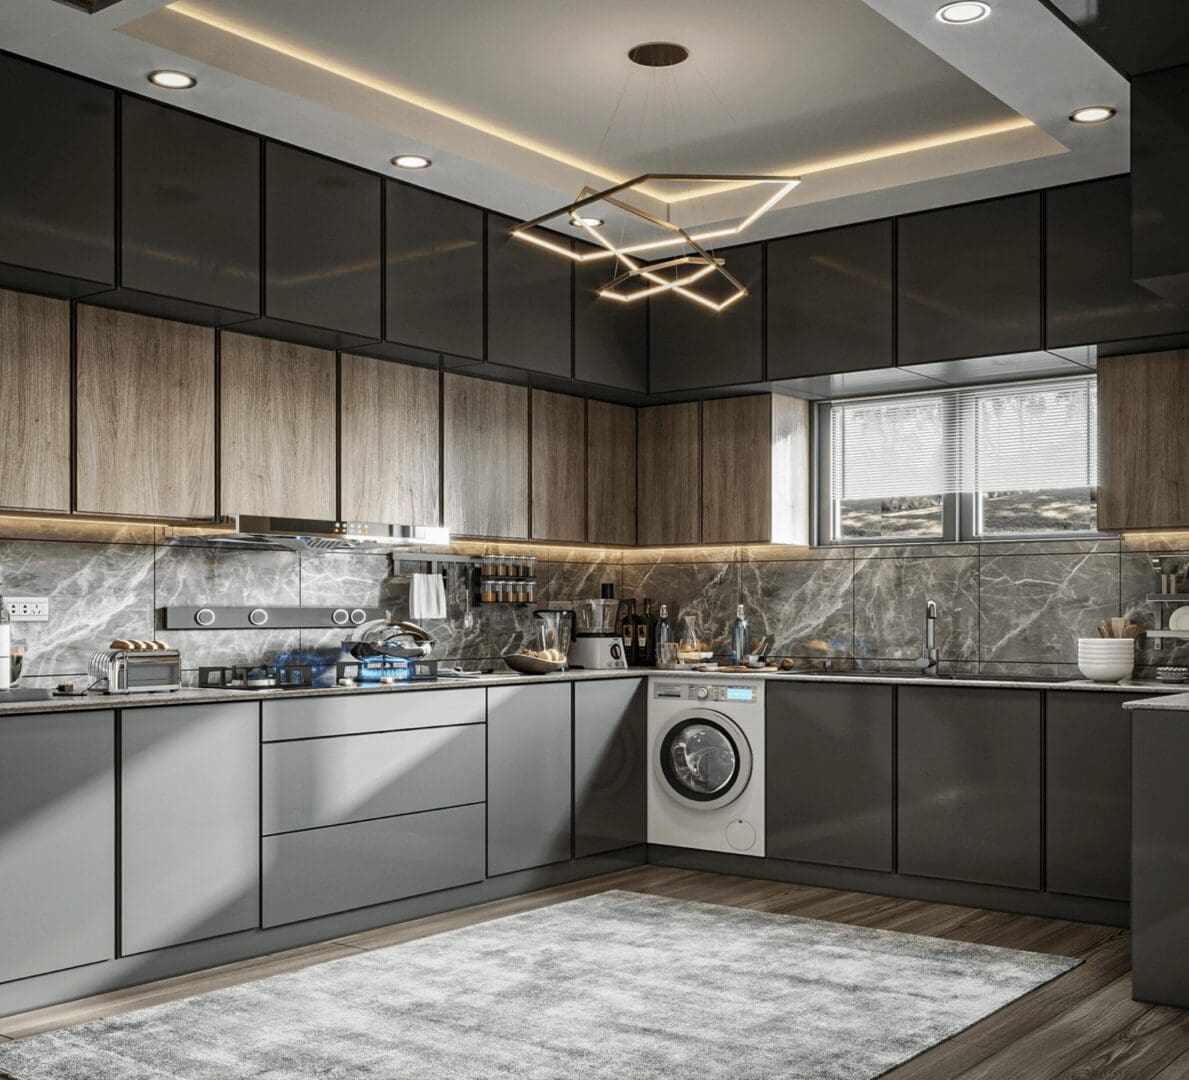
x,y
702,759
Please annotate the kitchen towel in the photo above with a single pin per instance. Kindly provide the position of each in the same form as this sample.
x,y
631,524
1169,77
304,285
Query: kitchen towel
x,y
427,597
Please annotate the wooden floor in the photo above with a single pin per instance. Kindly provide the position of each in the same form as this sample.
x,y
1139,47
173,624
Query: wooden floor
x,y
1083,1025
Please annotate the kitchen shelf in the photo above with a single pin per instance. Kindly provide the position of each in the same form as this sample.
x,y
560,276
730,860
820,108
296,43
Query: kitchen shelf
x,y
1167,635
1168,598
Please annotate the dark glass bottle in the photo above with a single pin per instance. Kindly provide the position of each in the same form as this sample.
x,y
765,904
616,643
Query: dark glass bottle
x,y
645,654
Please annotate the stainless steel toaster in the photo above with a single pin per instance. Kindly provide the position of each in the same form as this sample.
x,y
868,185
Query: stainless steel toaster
x,y
129,671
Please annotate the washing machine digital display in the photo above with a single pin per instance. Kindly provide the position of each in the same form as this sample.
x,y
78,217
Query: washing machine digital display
x,y
740,693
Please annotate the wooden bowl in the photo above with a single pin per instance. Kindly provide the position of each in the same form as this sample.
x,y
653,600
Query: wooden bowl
x,y
530,665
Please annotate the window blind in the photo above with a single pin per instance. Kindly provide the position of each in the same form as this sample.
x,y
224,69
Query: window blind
x,y
1019,437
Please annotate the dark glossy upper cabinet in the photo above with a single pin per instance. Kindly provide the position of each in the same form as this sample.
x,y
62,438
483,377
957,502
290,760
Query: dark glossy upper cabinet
x,y
528,303
969,281
610,338
691,347
57,181
322,241
433,284
189,216
831,299
1090,295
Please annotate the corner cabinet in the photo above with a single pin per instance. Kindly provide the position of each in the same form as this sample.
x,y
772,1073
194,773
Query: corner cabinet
x,y
610,473
610,765
692,347
558,467
485,457
277,428
669,472
1143,441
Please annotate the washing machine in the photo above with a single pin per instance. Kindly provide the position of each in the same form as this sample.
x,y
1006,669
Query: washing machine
x,y
706,768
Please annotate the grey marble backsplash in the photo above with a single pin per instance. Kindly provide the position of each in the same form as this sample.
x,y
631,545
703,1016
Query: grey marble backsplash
x,y
1013,608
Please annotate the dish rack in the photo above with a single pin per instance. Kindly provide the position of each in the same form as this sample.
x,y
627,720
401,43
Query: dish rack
x,y
1169,574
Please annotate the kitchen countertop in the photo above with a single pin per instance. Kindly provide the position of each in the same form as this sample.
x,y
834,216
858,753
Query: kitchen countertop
x,y
1174,703
1178,699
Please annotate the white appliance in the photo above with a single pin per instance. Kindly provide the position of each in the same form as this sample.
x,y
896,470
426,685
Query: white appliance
x,y
706,769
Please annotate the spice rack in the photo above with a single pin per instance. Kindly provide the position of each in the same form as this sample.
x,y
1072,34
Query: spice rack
x,y
507,579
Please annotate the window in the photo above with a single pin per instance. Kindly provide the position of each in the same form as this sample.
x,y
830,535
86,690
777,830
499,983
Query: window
x,y
982,462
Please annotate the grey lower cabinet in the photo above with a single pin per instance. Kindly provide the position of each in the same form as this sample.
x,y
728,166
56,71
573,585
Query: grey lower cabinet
x,y
189,823
829,755
1159,863
1088,794
969,783
529,755
610,759
57,841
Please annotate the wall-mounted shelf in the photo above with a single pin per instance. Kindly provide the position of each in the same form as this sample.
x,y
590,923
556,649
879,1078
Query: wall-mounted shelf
x,y
1167,635
1168,598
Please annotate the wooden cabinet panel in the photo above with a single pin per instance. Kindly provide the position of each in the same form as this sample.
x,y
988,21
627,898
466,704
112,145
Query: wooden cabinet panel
x,y
277,428
1143,441
146,416
559,467
1090,297
528,303
610,338
434,282
190,824
670,474
57,842
969,785
968,280
485,457
529,755
691,347
610,473
610,765
1087,795
35,402
57,180
831,300
389,412
830,764
189,214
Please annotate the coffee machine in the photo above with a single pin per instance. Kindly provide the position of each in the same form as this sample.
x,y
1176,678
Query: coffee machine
x,y
597,644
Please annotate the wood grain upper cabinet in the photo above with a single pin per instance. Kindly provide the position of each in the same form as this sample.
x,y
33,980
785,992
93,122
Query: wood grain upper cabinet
x,y
559,467
528,303
1143,441
57,181
322,247
1090,297
669,474
755,470
610,338
35,402
610,473
831,301
189,215
277,428
485,457
691,347
145,415
388,412
969,280
434,279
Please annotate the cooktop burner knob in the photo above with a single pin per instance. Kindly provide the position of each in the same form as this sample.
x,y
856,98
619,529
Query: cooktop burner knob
x,y
358,616
204,617
339,616
258,616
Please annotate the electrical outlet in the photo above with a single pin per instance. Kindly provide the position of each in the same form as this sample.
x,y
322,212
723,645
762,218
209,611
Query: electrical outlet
x,y
28,608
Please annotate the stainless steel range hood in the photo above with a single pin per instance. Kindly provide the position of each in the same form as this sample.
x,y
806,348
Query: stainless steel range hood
x,y
297,534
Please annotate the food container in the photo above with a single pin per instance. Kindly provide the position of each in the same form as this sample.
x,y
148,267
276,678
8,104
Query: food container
x,y
1106,659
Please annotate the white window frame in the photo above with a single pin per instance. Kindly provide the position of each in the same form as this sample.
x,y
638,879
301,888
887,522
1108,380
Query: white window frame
x,y
960,511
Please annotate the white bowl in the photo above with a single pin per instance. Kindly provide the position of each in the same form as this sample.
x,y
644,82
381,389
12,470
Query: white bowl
x,y
1107,670
1123,650
1105,643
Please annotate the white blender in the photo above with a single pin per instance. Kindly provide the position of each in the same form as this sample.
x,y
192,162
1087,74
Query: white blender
x,y
597,644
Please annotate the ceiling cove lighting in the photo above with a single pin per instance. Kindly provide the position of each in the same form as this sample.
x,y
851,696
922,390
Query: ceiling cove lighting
x,y
168,79
411,161
1092,114
963,13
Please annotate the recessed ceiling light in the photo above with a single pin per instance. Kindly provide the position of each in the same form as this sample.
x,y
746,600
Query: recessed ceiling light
x,y
172,80
590,222
1091,114
963,12
411,161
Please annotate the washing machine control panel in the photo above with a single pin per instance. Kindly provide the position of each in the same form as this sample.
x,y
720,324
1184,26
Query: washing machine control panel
x,y
735,695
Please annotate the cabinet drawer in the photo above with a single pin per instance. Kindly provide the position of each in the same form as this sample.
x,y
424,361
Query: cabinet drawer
x,y
316,873
317,782
312,718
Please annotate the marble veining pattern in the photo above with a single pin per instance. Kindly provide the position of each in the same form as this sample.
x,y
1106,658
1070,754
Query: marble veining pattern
x,y
806,605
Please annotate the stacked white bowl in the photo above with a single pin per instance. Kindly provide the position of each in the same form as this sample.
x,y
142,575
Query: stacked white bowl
x,y
1106,659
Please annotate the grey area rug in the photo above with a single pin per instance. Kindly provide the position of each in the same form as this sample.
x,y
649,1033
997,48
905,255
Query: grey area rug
x,y
619,985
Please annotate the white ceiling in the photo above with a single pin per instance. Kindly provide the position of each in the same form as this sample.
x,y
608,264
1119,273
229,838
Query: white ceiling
x,y
519,102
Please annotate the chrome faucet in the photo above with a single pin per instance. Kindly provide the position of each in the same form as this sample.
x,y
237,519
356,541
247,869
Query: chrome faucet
x,y
928,661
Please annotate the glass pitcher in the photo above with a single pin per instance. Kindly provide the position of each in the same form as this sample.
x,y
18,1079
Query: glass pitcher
x,y
555,629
